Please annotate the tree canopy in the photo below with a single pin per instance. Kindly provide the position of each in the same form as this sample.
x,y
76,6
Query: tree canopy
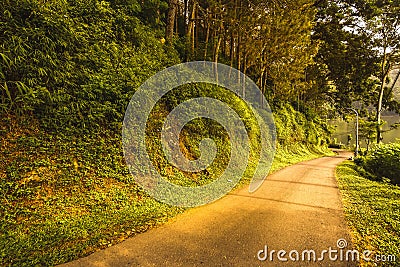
x,y
75,63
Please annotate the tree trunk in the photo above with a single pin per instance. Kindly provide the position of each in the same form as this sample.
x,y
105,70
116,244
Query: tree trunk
x,y
169,30
378,114
232,49
207,37
244,76
195,43
191,32
385,73
186,15
220,33
394,84
239,56
217,47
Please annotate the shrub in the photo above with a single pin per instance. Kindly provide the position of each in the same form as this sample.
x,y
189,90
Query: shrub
x,y
337,146
74,64
384,162
295,127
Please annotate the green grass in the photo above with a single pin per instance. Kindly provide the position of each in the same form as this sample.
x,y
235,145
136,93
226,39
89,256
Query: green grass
x,y
372,210
289,155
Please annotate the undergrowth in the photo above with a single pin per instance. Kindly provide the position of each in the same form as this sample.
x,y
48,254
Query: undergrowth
x,y
382,163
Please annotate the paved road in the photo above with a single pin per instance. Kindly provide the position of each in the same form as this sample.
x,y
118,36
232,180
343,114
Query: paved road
x,y
297,208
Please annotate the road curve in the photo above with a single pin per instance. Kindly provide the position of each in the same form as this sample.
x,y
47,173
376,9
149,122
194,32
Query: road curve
x,y
297,208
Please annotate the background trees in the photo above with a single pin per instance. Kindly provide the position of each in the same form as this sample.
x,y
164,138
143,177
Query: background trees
x,y
80,60
383,24
360,49
270,41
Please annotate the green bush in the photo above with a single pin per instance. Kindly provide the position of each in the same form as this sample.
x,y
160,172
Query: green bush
x,y
384,162
75,64
294,127
337,146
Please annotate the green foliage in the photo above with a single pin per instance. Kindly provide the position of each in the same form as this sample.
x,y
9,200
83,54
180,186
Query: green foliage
x,y
274,47
150,12
67,196
347,55
288,155
197,130
359,50
67,72
384,162
74,64
367,131
296,127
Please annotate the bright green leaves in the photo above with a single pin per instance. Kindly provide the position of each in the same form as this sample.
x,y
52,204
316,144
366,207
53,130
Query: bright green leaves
x,y
74,63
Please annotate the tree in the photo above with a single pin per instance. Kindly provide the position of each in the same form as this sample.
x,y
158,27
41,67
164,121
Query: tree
x,y
346,58
169,29
384,26
273,47
368,131
360,48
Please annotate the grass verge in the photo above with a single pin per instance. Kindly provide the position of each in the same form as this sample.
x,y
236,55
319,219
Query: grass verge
x,y
289,155
372,210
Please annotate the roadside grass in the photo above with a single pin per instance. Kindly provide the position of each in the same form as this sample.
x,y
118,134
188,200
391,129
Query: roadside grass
x,y
289,155
64,197
372,210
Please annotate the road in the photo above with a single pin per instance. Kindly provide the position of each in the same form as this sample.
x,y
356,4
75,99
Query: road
x,y
297,208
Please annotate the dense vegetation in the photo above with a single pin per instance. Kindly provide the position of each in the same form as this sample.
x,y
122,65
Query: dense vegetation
x,y
359,53
78,62
66,196
383,162
370,191
75,64
69,68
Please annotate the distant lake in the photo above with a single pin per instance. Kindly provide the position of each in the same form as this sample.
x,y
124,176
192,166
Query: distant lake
x,y
343,129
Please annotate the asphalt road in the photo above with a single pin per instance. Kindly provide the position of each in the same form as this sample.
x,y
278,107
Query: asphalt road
x,y
297,209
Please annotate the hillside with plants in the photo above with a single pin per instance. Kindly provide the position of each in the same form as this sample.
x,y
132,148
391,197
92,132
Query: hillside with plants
x,y
68,70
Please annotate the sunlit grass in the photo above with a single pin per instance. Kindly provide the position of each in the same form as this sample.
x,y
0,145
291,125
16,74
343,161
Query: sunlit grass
x,y
372,210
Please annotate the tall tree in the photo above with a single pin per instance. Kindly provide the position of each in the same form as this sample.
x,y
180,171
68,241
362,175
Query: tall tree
x,y
169,29
360,48
384,26
274,47
346,57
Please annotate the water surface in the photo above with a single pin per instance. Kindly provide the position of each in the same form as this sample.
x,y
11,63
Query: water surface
x,y
343,129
